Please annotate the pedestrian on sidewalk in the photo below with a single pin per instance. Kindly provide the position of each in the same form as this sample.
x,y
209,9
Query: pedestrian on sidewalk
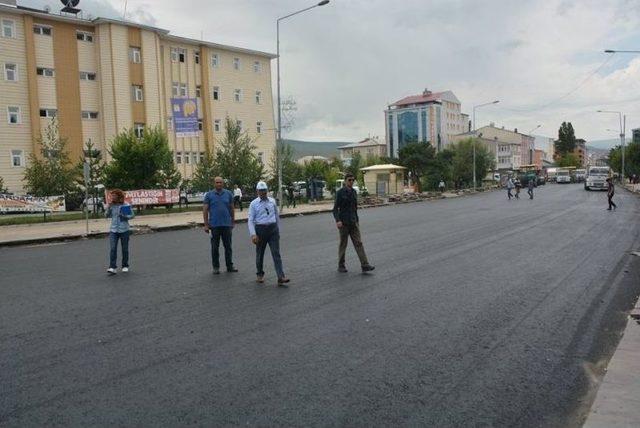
x,y
291,197
530,188
120,214
610,193
518,186
345,212
264,228
441,186
510,186
237,197
219,218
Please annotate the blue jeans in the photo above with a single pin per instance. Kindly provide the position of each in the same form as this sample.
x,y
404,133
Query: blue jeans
x,y
268,234
223,232
113,254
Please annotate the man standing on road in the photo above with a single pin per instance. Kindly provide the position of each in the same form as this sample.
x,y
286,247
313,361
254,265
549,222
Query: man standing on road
x,y
345,212
530,188
441,186
264,228
510,187
610,193
219,218
237,197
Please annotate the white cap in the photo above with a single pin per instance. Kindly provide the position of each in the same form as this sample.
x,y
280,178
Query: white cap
x,y
261,185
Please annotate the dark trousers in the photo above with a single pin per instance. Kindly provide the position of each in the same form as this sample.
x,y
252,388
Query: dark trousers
x,y
611,203
268,234
509,195
530,192
113,253
351,230
223,232
237,202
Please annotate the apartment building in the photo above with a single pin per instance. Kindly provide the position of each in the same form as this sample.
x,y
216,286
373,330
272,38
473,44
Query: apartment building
x,y
507,155
367,148
526,142
433,117
101,76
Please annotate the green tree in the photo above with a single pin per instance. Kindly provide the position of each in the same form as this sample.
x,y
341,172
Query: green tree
x,y
93,157
631,159
235,159
331,177
417,157
291,171
315,169
440,169
568,159
141,163
204,174
354,166
462,162
566,142
2,188
51,173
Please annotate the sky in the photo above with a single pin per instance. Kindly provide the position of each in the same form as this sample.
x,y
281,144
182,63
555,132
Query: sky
x,y
343,63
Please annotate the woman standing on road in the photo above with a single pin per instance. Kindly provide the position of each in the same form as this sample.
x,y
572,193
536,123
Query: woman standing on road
x,y
120,214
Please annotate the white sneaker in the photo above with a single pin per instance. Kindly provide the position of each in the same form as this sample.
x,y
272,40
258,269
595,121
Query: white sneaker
x,y
125,269
112,271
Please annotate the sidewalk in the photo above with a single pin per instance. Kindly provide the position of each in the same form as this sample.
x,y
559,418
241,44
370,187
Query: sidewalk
x,y
76,229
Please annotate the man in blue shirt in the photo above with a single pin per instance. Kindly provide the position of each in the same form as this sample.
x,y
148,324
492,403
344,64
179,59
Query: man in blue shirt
x,y
264,228
219,218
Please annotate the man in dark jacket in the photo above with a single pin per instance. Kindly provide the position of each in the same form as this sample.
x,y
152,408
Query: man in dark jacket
x,y
345,212
610,193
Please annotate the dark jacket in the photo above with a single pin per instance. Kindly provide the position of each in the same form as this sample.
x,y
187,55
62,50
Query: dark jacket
x,y
345,208
610,188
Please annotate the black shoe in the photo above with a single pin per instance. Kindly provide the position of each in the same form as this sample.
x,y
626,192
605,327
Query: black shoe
x,y
368,268
608,209
342,269
232,269
216,271
282,282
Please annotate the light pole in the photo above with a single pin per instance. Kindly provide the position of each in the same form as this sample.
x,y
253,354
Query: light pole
x,y
534,144
475,137
279,134
623,125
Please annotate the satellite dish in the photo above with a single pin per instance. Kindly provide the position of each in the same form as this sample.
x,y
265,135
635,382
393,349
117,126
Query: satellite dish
x,y
70,3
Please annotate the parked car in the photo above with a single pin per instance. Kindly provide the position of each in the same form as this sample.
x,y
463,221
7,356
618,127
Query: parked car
x,y
93,204
187,198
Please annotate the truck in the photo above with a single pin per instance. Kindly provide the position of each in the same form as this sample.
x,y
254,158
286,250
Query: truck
x,y
563,176
596,177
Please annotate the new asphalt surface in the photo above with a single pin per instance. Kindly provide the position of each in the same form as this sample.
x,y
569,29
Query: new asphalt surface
x,y
481,312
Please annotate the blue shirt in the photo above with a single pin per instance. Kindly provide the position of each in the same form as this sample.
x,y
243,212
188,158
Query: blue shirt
x,y
119,222
220,207
262,212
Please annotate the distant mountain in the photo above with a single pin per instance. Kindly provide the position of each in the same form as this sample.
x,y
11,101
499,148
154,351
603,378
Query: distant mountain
x,y
605,144
317,148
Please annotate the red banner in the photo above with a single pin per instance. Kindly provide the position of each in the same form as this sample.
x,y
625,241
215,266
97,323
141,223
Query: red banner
x,y
149,197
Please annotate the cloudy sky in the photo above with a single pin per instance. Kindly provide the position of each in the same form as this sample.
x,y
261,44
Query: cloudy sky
x,y
344,62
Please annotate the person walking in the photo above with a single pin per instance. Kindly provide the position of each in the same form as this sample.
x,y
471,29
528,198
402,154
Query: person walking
x,y
441,186
264,228
219,218
510,186
610,193
291,196
345,213
530,188
120,214
237,197
517,185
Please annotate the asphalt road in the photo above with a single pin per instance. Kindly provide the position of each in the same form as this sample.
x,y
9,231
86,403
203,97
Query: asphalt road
x,y
481,312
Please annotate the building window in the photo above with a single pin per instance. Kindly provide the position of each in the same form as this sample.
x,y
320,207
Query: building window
x,y
13,115
8,28
201,157
135,55
138,129
257,67
199,124
239,123
216,125
137,93
17,158
48,112
261,157
46,72
194,157
236,63
178,54
215,60
183,89
86,75
196,57
89,114
216,93
187,158
11,72
175,89
237,95
84,36
178,157
198,91
43,30
259,127
258,97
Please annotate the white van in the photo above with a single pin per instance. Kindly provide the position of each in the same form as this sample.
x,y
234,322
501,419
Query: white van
x,y
563,176
596,177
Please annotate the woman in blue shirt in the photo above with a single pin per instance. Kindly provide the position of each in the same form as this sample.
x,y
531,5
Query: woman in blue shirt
x,y
120,214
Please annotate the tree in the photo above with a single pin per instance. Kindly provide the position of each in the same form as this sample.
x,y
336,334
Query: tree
x,y
204,174
93,157
315,169
440,169
141,163
235,159
462,162
354,167
631,159
331,177
568,159
291,171
417,157
2,188
566,142
52,172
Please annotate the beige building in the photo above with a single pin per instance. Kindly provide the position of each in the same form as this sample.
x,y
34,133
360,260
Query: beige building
x,y
507,155
367,148
526,142
102,76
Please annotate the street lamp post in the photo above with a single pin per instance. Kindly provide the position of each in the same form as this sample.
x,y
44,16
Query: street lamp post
x,y
475,138
623,125
531,150
279,133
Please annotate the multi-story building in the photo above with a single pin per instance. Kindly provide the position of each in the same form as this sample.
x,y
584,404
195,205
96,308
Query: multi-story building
x,y
367,148
433,117
507,155
526,142
102,76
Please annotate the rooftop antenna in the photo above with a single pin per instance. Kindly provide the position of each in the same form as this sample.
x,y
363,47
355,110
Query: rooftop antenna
x,y
70,6
124,14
